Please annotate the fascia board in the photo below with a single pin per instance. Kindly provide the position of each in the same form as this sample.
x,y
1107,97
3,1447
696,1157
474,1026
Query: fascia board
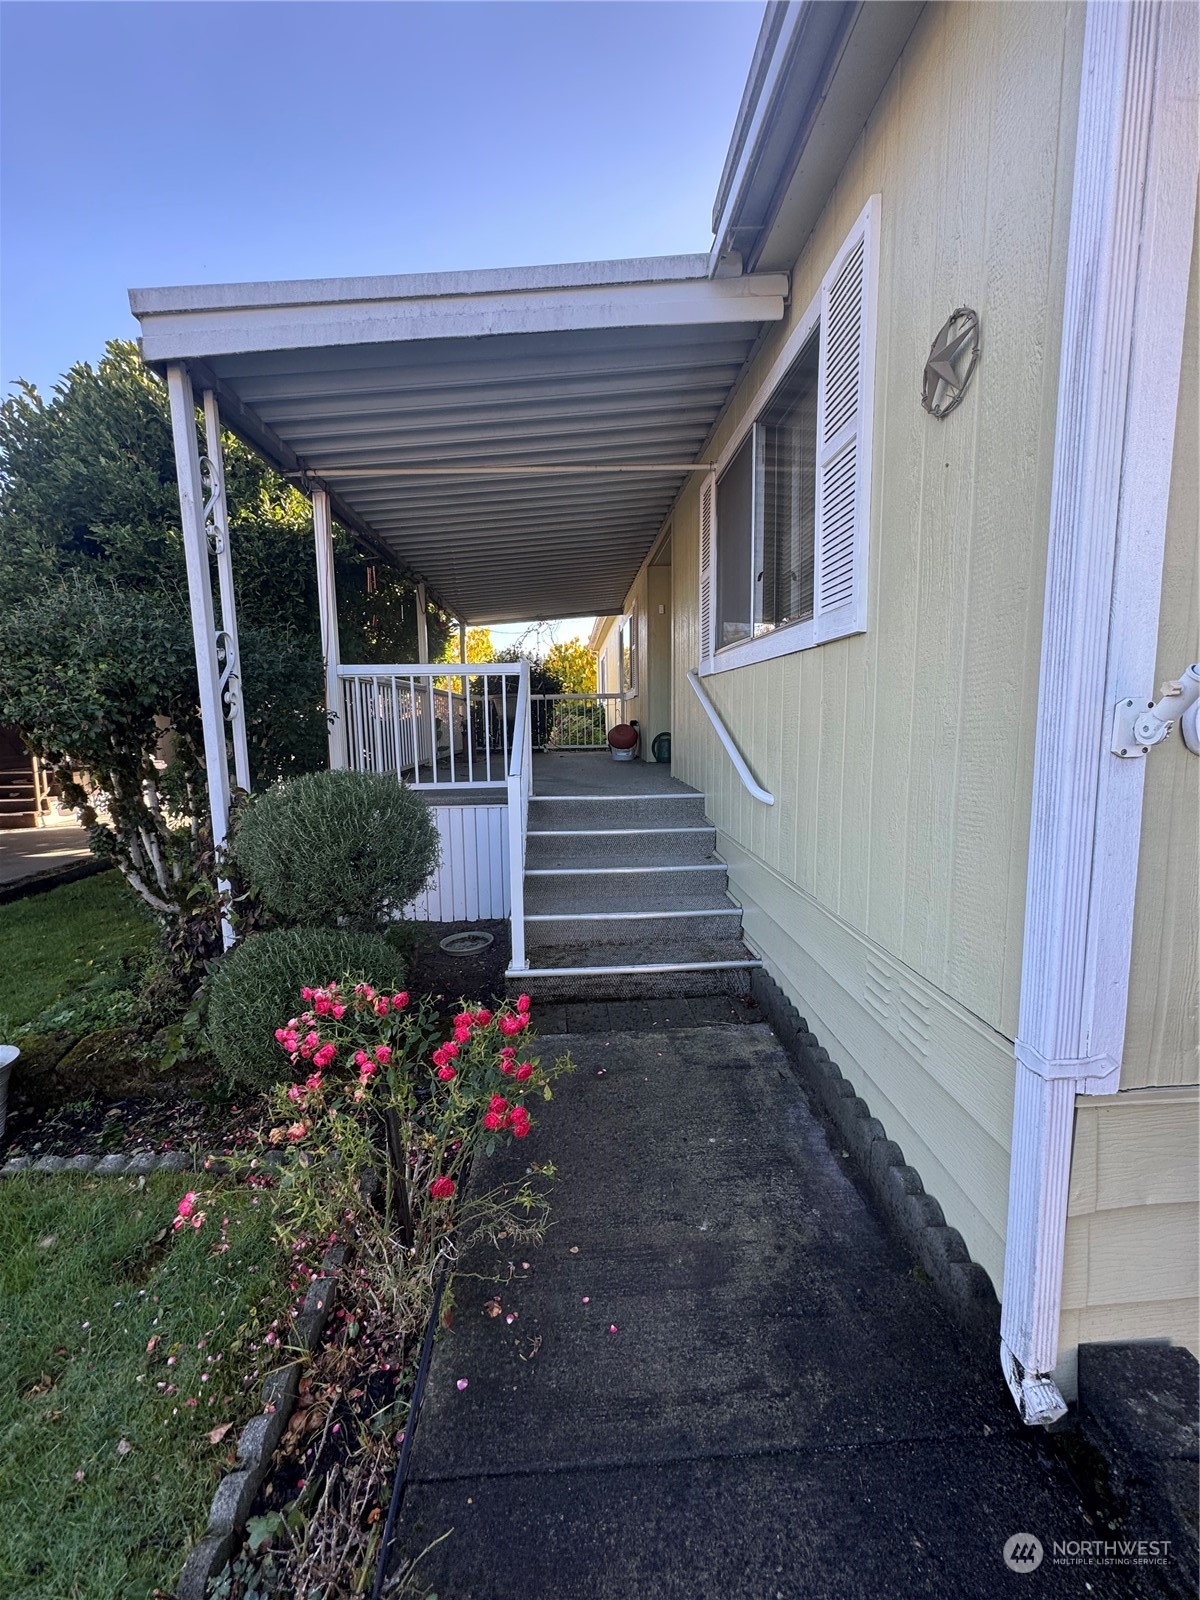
x,y
186,335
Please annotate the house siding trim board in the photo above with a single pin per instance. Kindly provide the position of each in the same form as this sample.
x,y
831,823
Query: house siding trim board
x,y
1132,217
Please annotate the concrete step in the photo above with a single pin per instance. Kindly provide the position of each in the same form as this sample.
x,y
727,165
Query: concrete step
x,y
676,933
633,970
616,810
698,886
619,847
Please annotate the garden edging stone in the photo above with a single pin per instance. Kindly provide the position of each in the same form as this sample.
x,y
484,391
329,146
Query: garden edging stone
x,y
259,1439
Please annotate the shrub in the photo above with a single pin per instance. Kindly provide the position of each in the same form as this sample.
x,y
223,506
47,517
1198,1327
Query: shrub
x,y
336,846
258,984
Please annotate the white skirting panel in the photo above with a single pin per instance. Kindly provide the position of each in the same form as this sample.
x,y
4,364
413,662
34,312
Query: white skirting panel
x,y
471,881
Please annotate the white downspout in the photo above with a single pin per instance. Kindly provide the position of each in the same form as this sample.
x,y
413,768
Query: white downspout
x,y
1132,215
204,634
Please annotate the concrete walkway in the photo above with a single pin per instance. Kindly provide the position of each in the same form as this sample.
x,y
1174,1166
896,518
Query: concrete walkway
x,y
25,852
724,1380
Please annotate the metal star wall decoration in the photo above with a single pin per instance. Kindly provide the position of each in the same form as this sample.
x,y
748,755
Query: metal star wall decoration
x,y
952,360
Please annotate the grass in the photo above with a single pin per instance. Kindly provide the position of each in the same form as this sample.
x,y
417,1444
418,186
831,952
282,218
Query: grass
x,y
66,955
125,1343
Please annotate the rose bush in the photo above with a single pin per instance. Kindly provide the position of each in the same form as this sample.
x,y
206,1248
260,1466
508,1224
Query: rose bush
x,y
369,1073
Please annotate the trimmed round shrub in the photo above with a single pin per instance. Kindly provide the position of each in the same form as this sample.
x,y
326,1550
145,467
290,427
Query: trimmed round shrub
x,y
336,847
256,989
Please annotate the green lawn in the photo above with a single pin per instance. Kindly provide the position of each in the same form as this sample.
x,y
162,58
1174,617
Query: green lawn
x,y
64,954
105,1473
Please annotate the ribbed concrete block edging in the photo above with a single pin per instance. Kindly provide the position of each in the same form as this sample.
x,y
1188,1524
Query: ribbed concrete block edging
x,y
259,1439
139,1165
914,1216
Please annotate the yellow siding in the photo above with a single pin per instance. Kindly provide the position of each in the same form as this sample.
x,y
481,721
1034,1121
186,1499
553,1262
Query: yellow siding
x,y
902,759
1162,1034
1133,1223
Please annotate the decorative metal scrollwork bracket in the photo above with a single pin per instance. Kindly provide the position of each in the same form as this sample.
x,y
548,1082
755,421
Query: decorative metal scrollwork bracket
x,y
229,678
214,497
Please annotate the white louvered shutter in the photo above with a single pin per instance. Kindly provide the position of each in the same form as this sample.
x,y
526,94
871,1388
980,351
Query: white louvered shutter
x,y
845,398
708,546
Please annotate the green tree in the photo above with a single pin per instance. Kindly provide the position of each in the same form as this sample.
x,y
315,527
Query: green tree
x,y
87,484
574,665
97,668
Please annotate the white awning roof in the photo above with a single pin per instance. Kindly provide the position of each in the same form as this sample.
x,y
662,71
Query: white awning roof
x,y
514,437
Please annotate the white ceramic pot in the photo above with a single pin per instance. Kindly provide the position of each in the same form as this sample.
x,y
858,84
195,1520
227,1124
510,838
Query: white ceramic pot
x,y
8,1054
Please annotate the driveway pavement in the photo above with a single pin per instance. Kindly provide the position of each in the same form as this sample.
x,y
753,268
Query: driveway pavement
x,y
27,851
724,1380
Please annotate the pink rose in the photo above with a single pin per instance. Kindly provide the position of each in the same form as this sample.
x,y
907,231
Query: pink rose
x,y
447,1072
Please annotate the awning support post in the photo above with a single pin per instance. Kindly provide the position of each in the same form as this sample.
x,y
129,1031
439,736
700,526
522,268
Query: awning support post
x,y
330,644
462,643
216,520
422,624
204,634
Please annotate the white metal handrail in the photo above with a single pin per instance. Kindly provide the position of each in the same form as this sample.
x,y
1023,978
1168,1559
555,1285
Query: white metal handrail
x,y
520,775
574,721
731,750
433,724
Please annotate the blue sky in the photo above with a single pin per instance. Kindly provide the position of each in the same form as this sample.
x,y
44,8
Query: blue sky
x,y
188,142
201,141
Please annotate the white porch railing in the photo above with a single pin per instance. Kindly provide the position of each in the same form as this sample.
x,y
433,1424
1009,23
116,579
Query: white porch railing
x,y
574,721
520,775
434,725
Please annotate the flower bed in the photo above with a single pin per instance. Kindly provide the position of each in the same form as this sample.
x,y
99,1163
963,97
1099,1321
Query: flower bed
x,y
374,1138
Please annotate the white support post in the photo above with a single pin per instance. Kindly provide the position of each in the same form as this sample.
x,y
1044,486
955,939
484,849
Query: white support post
x,y
330,645
422,625
195,549
216,516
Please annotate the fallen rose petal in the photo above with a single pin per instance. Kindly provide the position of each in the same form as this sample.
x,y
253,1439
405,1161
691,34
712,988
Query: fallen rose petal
x,y
462,1384
586,1299
612,1327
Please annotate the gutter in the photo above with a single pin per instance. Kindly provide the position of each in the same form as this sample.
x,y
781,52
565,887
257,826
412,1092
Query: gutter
x,y
1128,264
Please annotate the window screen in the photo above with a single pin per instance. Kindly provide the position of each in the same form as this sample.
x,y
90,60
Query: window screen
x,y
789,442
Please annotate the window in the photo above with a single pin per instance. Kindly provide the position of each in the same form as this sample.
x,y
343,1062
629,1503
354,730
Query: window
x,y
628,646
784,519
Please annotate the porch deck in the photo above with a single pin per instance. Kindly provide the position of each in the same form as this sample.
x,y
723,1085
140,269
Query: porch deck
x,y
561,774
594,772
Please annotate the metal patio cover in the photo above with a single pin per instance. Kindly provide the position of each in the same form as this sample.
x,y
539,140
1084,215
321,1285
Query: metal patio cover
x,y
415,400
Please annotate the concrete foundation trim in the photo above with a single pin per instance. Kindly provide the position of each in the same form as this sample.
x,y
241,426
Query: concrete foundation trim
x,y
915,1217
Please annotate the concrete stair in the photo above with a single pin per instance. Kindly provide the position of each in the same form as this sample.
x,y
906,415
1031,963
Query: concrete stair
x,y
18,800
624,900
